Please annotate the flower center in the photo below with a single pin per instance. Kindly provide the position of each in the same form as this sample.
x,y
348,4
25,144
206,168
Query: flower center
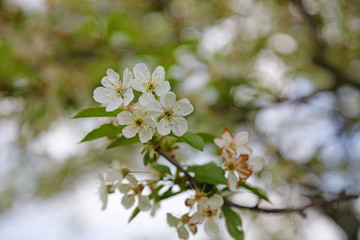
x,y
139,122
120,91
168,113
150,87
209,213
231,166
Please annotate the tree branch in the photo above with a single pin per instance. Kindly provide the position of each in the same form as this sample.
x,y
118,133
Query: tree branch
x,y
301,210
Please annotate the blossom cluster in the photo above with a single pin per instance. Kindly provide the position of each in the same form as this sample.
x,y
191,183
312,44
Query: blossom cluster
x,y
156,109
236,155
206,210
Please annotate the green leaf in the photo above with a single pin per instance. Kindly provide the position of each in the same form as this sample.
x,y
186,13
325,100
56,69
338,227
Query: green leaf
x,y
134,214
207,137
155,191
257,191
122,141
161,168
103,131
193,140
233,223
96,112
209,173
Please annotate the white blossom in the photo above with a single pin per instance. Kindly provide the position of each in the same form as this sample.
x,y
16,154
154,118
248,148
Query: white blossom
x,y
114,93
237,144
103,190
137,123
171,112
154,84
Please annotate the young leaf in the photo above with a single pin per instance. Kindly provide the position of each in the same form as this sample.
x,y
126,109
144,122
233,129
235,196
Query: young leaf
x,y
209,173
161,168
257,191
193,140
233,223
121,141
207,137
134,214
103,131
96,112
155,191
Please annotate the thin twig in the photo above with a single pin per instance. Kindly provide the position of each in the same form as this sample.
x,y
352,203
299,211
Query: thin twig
x,y
300,210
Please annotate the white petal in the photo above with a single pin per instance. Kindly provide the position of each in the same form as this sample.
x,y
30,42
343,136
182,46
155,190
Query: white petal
x,y
103,95
197,218
138,85
257,163
158,75
179,125
232,181
127,78
144,203
141,73
227,136
128,201
139,113
128,96
149,122
132,180
243,150
182,232
211,228
219,142
113,76
150,104
183,107
110,82
168,100
241,138
124,188
162,87
172,221
163,127
130,131
216,201
125,118
154,209
145,134
116,103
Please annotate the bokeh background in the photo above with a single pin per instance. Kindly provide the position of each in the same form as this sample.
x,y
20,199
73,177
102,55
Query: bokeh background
x,y
288,71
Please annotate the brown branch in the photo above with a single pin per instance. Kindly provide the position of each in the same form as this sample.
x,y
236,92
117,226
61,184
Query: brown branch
x,y
322,202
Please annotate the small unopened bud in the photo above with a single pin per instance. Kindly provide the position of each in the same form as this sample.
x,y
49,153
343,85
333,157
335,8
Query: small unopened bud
x,y
189,202
125,171
109,188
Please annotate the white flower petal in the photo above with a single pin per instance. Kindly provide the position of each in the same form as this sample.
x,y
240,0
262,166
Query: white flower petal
x,y
130,131
243,150
125,118
182,232
232,181
163,127
211,228
110,82
114,104
158,75
197,218
257,163
150,104
128,201
227,136
138,85
241,138
113,76
172,221
103,95
149,122
124,188
102,191
183,107
219,142
178,125
215,202
144,203
132,180
154,209
162,87
127,78
128,96
168,100
139,113
141,73
145,134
